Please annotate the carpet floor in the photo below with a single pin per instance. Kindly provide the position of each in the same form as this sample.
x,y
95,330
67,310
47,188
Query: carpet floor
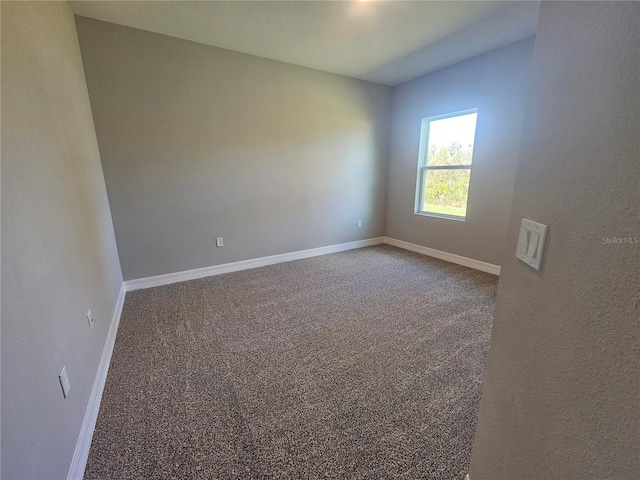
x,y
365,364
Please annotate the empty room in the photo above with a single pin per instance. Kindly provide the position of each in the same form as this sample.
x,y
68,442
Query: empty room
x,y
356,239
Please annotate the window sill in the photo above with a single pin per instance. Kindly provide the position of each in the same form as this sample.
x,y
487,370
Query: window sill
x,y
442,216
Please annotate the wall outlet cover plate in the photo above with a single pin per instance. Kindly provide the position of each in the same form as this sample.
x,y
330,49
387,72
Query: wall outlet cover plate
x,y
64,382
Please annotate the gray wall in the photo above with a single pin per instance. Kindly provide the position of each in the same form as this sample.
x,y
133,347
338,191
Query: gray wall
x,y
562,391
199,142
496,84
59,257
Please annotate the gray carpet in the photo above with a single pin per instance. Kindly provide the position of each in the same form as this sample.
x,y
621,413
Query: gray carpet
x,y
361,364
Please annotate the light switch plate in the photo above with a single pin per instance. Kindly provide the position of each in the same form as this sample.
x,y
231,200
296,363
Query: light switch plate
x,y
531,243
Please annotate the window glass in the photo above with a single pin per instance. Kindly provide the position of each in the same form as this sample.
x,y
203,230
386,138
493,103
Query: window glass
x,y
444,166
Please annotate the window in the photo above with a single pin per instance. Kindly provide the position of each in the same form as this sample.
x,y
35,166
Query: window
x,y
444,164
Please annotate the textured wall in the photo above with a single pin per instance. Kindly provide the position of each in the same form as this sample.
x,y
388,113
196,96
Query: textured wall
x,y
495,83
59,257
562,396
199,142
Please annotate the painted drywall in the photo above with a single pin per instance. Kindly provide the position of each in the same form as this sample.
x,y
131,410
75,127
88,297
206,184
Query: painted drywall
x,y
495,83
562,393
59,256
198,142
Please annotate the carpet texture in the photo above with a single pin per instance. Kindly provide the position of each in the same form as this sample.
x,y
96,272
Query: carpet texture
x,y
361,364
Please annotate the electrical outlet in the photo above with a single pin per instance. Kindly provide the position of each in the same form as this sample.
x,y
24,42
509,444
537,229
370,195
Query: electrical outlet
x,y
64,382
359,225
90,318
219,242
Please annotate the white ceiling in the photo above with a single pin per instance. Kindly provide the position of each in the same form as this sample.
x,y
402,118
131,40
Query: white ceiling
x,y
387,42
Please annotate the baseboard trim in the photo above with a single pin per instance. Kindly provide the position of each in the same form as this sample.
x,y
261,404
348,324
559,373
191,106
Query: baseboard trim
x,y
166,279
449,257
169,278
81,453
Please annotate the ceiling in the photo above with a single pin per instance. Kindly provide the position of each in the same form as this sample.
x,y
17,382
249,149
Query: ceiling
x,y
387,42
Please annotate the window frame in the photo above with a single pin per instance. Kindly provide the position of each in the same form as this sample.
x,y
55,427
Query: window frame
x,y
423,168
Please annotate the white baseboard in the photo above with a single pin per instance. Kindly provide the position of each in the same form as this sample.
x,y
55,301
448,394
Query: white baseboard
x,y
168,278
449,257
81,454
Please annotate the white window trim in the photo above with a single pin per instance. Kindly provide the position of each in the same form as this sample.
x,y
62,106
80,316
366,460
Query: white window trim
x,y
422,165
